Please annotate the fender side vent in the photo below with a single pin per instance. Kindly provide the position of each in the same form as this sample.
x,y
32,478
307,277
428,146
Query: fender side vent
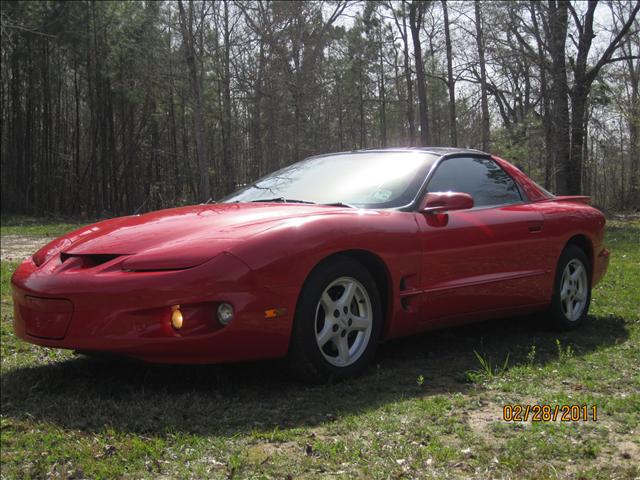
x,y
408,282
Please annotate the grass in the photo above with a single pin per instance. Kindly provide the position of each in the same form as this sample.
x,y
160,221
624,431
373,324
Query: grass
x,y
428,408
487,369
28,226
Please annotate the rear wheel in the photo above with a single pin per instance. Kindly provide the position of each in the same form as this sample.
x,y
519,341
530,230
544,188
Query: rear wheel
x,y
572,289
337,323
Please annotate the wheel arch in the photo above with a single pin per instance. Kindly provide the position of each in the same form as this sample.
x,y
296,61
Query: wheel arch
x,y
583,242
378,270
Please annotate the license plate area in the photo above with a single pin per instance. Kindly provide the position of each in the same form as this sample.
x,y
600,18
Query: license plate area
x,y
45,317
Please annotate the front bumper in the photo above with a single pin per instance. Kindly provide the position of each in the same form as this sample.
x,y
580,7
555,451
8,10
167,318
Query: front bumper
x,y
129,313
600,266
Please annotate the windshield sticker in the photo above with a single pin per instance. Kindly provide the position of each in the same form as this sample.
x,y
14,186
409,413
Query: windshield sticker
x,y
382,195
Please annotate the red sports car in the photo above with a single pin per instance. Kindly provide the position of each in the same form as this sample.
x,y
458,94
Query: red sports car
x,y
318,262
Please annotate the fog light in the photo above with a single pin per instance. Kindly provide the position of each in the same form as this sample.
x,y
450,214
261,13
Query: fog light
x,y
176,317
225,313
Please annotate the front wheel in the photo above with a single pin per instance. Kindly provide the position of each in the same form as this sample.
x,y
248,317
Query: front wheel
x,y
337,323
572,290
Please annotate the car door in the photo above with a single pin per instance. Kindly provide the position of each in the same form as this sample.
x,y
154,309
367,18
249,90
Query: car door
x,y
485,259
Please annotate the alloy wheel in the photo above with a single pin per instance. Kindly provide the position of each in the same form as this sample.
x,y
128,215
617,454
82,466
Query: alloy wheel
x,y
573,290
343,321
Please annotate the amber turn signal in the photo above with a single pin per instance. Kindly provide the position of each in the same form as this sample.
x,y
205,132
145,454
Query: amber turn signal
x,y
275,312
176,317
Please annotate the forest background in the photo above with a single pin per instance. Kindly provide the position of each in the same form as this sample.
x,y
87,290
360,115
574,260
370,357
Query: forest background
x,y
112,108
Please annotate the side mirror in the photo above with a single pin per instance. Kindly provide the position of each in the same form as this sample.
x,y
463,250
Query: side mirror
x,y
440,202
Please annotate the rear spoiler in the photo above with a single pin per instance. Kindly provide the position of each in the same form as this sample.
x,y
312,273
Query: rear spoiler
x,y
572,198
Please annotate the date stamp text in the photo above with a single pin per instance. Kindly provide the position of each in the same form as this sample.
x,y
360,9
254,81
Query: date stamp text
x,y
550,413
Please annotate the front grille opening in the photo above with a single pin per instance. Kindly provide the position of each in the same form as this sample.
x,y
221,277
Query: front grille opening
x,y
89,261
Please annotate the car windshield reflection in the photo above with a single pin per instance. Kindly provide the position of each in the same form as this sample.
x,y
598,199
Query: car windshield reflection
x,y
359,179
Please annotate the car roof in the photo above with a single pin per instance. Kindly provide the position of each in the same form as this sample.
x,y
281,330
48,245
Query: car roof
x,y
434,150
440,151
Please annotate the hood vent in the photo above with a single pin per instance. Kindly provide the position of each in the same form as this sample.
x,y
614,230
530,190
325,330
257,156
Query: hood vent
x,y
88,261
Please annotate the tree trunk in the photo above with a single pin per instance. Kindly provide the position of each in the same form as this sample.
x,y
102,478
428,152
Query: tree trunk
x,y
382,90
256,118
634,146
230,180
451,85
416,12
483,80
407,72
584,74
546,102
363,132
573,181
186,24
558,19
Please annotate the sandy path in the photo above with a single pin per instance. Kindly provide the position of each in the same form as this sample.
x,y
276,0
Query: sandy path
x,y
16,248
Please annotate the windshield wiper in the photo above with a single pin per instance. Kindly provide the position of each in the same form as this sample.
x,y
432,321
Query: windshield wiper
x,y
282,200
339,204
293,200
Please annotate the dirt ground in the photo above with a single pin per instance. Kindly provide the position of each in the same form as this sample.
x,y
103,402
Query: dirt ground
x,y
18,247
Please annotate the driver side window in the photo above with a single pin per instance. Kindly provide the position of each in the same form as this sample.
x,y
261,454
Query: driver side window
x,y
482,178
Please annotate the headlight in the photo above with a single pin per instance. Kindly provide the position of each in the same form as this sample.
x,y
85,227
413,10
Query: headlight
x,y
162,260
49,250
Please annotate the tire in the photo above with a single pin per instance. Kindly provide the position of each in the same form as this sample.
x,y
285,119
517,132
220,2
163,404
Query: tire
x,y
336,344
571,291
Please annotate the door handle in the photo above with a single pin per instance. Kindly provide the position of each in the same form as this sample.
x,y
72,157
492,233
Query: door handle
x,y
535,226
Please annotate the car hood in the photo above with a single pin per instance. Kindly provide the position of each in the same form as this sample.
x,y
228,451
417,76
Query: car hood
x,y
202,227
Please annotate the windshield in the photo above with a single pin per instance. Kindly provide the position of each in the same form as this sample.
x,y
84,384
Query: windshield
x,y
363,179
